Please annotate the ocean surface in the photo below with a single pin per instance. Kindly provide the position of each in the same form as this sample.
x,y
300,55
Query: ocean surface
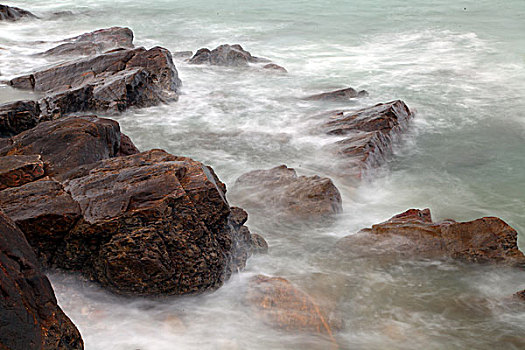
x,y
459,64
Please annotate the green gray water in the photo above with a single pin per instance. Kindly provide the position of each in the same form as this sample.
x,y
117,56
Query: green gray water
x,y
459,64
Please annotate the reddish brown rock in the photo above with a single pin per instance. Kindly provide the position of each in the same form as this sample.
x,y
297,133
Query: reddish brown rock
x,y
280,189
44,212
127,147
338,95
96,42
283,306
414,234
29,315
9,13
368,134
111,82
19,116
18,170
67,143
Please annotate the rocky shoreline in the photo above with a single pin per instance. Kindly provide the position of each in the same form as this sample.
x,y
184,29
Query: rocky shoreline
x,y
77,194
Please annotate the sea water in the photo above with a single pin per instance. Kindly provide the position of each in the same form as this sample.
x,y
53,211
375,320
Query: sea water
x,y
459,64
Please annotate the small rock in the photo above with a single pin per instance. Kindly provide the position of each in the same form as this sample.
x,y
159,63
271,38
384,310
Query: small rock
x,y
280,189
275,67
338,95
259,244
225,55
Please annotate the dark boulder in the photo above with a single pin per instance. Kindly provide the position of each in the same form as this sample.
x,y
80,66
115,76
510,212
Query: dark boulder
x,y
338,95
8,13
225,55
414,234
29,315
19,116
67,143
18,170
280,190
95,42
109,82
367,134
520,295
44,212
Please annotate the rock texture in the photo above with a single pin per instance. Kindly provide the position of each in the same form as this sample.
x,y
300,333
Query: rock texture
x,y
8,13
281,305
414,234
19,170
338,95
19,116
29,315
110,82
367,134
143,224
95,42
280,190
275,67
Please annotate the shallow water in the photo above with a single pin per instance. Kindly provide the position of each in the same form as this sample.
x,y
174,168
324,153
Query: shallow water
x,y
461,66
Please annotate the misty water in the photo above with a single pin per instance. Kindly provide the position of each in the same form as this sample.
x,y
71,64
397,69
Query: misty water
x,y
460,65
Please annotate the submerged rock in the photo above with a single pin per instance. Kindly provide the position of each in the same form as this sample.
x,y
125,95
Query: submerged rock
x,y
144,224
29,315
96,42
9,13
520,295
368,134
275,67
338,95
282,305
414,234
280,189
110,82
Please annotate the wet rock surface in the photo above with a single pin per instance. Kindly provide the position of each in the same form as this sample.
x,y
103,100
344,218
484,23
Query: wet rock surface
x,y
143,224
29,315
18,170
232,56
110,82
367,134
19,116
414,234
95,42
283,306
338,95
9,13
280,190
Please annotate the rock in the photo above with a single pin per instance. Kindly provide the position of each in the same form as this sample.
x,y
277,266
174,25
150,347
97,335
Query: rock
x,y
338,95
19,116
44,212
182,54
520,295
127,147
29,315
95,42
152,224
112,81
368,134
280,189
67,143
225,55
275,67
8,13
414,234
281,305
259,244
18,170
